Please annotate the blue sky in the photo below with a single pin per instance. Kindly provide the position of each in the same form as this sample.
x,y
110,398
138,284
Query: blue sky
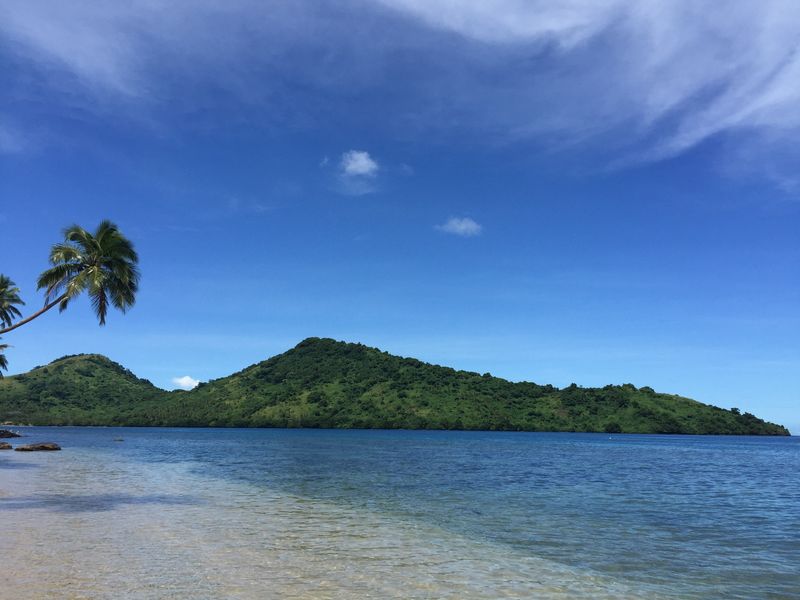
x,y
602,192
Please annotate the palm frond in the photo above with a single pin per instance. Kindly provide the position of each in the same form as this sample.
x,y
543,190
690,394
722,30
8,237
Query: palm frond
x,y
56,279
78,284
64,253
122,292
99,299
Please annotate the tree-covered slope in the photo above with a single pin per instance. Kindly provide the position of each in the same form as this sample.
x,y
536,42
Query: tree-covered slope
x,y
85,389
324,383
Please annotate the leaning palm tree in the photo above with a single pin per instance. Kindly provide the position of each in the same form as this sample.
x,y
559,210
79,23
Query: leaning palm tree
x,y
102,264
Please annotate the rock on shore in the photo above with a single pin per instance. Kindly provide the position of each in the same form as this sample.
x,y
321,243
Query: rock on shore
x,y
5,433
5,446
45,446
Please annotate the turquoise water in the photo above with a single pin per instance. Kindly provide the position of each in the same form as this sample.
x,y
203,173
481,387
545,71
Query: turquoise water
x,y
198,513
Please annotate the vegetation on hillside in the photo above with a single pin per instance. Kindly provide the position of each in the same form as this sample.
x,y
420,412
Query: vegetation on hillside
x,y
325,383
86,389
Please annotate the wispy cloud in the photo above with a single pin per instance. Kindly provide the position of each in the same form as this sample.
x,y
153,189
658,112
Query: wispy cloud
x,y
240,205
663,77
185,383
504,21
96,43
463,226
679,77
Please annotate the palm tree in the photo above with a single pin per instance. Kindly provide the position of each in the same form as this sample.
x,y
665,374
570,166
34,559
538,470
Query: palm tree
x,y
9,298
3,359
102,264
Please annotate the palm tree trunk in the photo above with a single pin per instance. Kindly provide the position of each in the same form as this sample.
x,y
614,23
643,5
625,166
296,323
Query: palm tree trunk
x,y
34,315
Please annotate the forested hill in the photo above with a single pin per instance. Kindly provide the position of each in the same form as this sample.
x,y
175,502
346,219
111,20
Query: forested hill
x,y
85,389
325,383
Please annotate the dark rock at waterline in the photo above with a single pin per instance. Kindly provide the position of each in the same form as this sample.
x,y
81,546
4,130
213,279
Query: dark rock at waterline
x,y
45,446
5,433
5,446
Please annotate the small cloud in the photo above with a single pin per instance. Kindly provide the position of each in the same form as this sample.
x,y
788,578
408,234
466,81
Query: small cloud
x,y
356,173
358,163
185,382
463,226
324,162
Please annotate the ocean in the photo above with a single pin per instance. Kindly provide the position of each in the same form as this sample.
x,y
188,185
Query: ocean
x,y
275,513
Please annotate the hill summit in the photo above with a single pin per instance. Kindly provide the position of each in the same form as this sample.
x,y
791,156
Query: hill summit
x,y
325,383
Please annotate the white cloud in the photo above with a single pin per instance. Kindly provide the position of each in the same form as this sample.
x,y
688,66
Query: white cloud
x,y
463,226
358,163
357,173
185,382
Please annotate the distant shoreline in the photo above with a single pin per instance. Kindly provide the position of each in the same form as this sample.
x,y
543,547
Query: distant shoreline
x,y
223,427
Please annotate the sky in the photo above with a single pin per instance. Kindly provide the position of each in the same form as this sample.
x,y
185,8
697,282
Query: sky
x,y
595,192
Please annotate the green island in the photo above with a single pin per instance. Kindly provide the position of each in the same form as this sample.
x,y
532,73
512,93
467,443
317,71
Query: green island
x,y
324,383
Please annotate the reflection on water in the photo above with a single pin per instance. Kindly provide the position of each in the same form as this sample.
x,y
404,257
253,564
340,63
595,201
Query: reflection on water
x,y
96,502
15,464
274,514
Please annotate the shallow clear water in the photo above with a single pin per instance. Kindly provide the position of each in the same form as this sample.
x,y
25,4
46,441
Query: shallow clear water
x,y
209,513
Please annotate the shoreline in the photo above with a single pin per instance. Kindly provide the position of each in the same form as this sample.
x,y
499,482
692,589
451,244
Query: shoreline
x,y
520,431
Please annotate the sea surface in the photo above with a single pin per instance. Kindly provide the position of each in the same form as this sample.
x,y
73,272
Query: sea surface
x,y
271,513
